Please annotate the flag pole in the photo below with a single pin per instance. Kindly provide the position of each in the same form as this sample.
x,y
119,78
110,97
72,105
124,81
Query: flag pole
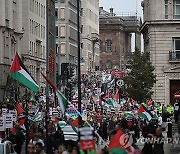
x,y
47,74
79,66
26,119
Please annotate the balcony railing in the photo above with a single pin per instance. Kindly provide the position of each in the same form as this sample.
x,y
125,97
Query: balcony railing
x,y
174,55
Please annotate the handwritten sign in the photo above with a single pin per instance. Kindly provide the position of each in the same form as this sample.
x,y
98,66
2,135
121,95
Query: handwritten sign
x,y
9,121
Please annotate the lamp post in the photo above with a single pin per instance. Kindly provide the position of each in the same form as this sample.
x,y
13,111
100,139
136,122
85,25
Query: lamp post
x,y
79,65
47,74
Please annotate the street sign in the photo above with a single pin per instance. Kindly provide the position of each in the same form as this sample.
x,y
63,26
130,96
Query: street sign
x,y
120,82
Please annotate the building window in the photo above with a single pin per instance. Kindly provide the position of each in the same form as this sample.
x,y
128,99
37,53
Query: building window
x,y
56,31
100,45
62,31
176,9
176,48
63,49
56,13
81,45
62,1
81,12
62,13
57,48
81,28
108,64
108,45
166,9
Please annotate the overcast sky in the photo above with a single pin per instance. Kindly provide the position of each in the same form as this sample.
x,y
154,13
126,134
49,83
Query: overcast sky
x,y
122,5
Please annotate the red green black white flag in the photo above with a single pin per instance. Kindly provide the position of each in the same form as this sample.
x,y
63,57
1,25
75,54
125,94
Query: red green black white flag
x,y
19,72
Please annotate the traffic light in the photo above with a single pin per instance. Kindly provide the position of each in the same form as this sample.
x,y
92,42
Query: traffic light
x,y
64,69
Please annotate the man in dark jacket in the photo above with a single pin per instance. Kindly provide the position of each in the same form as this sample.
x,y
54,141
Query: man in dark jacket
x,y
17,139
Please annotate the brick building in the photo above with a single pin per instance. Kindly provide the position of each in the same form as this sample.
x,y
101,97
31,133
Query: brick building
x,y
115,35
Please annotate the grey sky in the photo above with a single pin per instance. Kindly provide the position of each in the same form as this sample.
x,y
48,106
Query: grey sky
x,y
122,5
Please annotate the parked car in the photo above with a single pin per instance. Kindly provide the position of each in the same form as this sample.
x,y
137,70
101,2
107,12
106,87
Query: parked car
x,y
6,147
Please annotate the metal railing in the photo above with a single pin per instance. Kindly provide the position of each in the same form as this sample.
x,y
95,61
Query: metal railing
x,y
174,55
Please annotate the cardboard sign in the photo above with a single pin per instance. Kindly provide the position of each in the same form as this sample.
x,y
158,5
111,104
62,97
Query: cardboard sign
x,y
87,144
87,138
14,117
9,121
4,111
2,124
55,114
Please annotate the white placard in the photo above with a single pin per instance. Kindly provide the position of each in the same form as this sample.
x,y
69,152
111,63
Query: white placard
x,y
55,114
9,121
2,124
14,116
4,111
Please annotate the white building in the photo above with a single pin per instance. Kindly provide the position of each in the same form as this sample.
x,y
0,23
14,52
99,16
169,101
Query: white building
x,y
33,42
90,35
161,31
11,33
66,33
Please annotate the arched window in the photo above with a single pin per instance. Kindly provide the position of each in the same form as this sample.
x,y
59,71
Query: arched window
x,y
108,64
108,46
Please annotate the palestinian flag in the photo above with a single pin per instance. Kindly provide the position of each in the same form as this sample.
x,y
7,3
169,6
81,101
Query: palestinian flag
x,y
74,124
20,74
61,124
135,103
84,93
62,100
111,102
128,113
120,144
20,114
144,113
89,152
116,97
56,120
154,114
150,103
109,95
39,117
86,124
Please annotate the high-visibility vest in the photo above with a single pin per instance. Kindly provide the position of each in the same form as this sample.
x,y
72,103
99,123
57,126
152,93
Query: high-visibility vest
x,y
170,109
160,109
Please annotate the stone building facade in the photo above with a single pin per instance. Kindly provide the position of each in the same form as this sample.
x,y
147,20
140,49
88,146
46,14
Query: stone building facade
x,y
33,44
11,33
115,35
66,33
90,35
161,32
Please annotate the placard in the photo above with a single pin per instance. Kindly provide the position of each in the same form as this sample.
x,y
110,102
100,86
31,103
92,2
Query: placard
x,y
14,117
87,138
2,124
4,111
9,121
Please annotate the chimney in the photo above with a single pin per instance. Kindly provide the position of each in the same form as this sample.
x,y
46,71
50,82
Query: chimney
x,y
111,12
100,8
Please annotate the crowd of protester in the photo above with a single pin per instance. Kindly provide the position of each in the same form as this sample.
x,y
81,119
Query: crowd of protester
x,y
106,122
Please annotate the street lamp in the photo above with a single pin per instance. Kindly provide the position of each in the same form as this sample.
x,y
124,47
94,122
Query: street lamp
x,y
79,65
94,40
